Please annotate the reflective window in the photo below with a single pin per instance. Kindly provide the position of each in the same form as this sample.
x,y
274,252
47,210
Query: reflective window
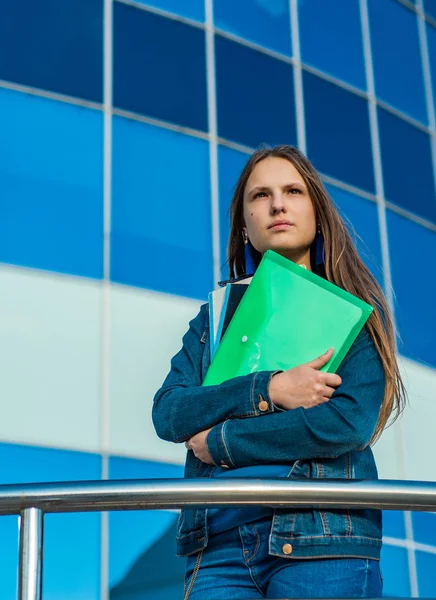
x,y
51,185
337,130
255,95
193,9
264,22
430,8
431,41
71,570
395,566
140,542
230,165
393,524
412,250
56,46
160,208
361,218
426,567
424,528
397,57
320,23
159,67
407,165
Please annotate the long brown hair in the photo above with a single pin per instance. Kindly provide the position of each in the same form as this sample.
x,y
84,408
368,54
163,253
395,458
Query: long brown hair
x,y
343,266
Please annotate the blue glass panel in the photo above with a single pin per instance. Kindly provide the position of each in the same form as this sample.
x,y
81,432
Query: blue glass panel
x,y
431,42
412,251
361,218
320,23
72,569
193,9
230,164
338,135
255,95
430,8
407,165
53,45
424,528
159,67
264,22
161,209
393,524
397,57
426,568
139,540
395,570
51,178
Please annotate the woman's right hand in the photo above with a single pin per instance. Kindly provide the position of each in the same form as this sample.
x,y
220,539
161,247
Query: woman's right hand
x,y
305,385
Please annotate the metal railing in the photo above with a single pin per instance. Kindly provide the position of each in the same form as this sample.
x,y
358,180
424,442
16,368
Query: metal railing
x,y
34,500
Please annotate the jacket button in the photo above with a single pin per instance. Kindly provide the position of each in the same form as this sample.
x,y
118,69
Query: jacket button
x,y
263,404
287,549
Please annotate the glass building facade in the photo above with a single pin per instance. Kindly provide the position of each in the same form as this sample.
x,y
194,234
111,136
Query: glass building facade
x,y
124,125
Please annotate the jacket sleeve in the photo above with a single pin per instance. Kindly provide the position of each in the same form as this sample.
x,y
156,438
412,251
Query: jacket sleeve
x,y
346,422
182,407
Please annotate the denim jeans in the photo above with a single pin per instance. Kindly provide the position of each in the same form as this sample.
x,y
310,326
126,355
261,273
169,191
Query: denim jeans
x,y
236,564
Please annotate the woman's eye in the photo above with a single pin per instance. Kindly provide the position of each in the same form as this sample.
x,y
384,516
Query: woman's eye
x,y
294,191
260,195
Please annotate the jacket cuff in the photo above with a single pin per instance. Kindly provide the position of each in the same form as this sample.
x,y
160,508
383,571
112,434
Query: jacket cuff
x,y
218,447
260,398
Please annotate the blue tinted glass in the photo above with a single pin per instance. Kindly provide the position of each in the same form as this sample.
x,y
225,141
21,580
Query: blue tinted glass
x,y
51,185
397,57
338,135
431,41
393,524
255,95
159,67
407,165
415,293
430,8
160,209
395,569
424,528
141,542
53,45
265,22
193,9
322,22
361,219
70,569
230,164
426,568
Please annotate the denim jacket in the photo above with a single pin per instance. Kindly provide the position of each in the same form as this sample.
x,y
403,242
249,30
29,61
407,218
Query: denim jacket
x,y
330,440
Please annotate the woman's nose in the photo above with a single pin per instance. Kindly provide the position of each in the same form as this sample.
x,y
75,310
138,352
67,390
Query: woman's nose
x,y
277,203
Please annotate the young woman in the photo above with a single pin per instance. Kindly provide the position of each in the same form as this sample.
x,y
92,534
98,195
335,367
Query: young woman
x,y
301,423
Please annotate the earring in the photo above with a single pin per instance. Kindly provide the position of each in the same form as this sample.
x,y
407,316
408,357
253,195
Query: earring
x,y
319,247
250,264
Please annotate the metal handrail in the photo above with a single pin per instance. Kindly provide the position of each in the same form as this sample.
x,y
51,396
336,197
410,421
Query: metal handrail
x,y
34,500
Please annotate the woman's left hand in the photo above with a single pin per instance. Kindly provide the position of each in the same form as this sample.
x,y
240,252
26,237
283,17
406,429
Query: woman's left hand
x,y
199,447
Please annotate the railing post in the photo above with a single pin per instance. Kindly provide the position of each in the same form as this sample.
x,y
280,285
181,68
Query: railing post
x,y
31,554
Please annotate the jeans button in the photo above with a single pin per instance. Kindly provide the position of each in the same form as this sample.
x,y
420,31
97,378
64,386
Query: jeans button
x,y
287,549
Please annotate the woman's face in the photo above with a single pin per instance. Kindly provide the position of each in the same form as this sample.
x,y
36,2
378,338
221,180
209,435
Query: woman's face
x,y
278,212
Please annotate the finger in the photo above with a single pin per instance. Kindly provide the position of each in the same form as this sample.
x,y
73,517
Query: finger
x,y
322,360
328,392
332,380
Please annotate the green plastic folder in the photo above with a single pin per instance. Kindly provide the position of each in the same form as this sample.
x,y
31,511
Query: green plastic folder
x,y
287,317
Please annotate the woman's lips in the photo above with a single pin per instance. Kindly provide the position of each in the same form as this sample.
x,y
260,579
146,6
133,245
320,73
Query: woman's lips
x,y
280,226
